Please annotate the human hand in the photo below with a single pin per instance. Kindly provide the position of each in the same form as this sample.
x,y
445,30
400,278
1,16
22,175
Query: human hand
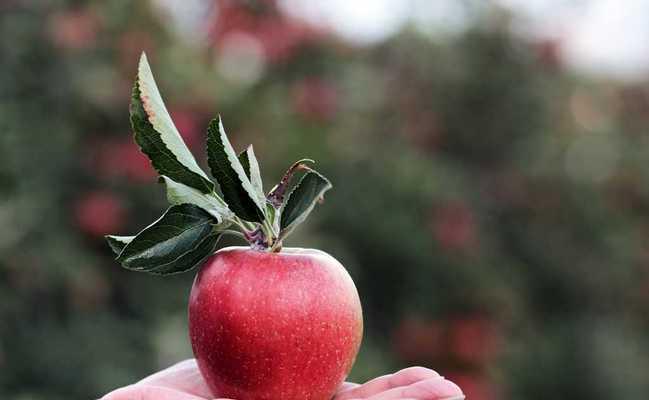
x,y
414,383
183,381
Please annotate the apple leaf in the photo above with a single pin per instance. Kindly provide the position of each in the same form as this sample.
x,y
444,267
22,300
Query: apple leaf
x,y
250,165
178,193
157,136
179,241
117,243
302,200
245,162
238,191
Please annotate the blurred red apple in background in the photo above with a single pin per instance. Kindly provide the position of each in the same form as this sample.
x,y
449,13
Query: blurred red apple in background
x,y
98,212
315,99
475,387
74,30
418,340
454,226
473,339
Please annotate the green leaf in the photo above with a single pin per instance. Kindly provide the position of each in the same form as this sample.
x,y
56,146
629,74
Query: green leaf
x,y
157,136
237,189
117,243
302,200
179,241
245,162
251,167
178,193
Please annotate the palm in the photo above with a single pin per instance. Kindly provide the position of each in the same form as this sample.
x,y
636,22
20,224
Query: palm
x,y
183,381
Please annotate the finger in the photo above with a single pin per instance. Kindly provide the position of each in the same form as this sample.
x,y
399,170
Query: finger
x,y
404,377
144,392
347,386
436,388
183,377
460,397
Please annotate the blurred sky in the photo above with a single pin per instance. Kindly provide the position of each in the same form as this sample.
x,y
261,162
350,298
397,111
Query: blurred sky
x,y
599,37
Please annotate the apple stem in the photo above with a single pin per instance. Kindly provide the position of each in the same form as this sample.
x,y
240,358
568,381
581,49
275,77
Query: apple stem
x,y
277,247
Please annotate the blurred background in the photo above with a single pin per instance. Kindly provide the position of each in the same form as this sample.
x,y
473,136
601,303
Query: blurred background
x,y
489,160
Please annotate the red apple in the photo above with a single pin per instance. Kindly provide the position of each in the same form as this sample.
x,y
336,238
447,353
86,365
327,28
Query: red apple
x,y
274,326
265,322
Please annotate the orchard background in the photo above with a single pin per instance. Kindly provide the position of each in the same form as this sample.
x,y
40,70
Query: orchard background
x,y
491,204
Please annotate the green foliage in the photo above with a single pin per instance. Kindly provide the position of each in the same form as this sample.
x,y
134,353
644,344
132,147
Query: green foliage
x,y
251,167
186,235
157,135
117,243
179,241
301,201
490,206
177,193
242,198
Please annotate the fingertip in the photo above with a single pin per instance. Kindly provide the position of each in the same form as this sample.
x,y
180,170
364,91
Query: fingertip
x,y
347,386
188,363
434,388
411,375
118,394
419,372
447,388
454,388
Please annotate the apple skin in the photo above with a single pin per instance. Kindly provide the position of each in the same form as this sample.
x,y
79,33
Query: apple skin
x,y
274,326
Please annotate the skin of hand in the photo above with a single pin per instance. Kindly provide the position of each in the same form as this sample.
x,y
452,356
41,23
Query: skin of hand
x,y
183,381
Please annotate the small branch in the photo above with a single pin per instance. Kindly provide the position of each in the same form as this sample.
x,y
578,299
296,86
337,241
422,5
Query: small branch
x,y
257,239
276,195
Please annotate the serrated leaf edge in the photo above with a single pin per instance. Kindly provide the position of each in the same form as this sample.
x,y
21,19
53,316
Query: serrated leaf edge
x,y
236,165
205,201
123,261
156,270
111,239
217,144
150,95
255,175
302,217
